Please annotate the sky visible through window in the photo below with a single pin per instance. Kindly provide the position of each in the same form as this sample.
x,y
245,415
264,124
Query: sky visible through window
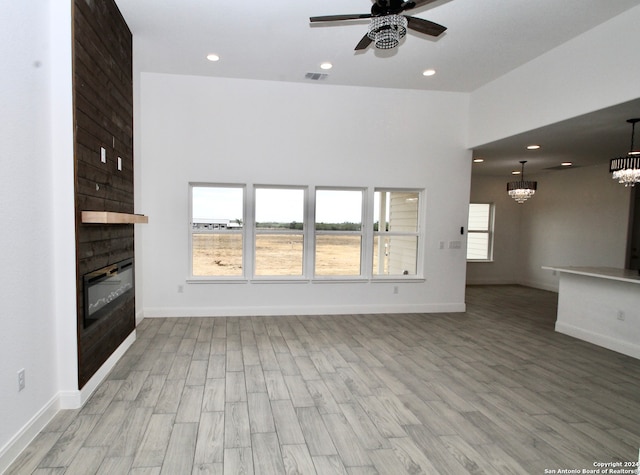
x,y
277,205
283,205
211,202
338,206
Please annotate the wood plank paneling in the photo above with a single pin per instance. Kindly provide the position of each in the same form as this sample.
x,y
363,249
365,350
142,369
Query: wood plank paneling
x,y
103,117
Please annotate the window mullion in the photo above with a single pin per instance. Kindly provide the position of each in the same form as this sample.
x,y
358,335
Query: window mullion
x,y
309,232
248,231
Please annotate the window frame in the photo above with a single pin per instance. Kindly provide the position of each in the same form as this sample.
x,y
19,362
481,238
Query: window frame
x,y
418,234
315,232
249,233
255,232
490,231
242,232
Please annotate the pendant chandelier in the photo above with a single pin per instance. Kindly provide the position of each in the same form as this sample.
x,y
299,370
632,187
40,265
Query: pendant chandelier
x,y
522,190
627,169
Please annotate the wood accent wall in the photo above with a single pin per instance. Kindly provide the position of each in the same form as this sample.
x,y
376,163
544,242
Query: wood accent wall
x,y
103,117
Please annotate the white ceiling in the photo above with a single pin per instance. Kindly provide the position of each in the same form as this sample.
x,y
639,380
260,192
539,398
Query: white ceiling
x,y
271,40
585,140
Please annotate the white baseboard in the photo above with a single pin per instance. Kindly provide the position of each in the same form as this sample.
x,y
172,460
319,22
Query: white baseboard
x,y
62,400
614,344
540,285
139,317
10,452
101,374
163,312
491,282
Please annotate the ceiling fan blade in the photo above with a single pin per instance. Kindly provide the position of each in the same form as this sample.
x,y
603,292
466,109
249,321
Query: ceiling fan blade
x,y
364,42
354,16
424,26
411,4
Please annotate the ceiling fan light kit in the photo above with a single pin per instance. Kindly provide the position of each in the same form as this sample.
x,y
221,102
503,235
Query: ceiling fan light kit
x,y
626,170
387,31
387,25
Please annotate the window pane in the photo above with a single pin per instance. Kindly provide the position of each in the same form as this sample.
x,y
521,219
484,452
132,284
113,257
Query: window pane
x,y
395,255
217,254
338,255
478,246
217,205
338,210
396,211
278,208
479,216
279,254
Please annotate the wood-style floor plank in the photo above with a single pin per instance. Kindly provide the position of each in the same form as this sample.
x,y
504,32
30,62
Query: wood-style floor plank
x,y
492,390
180,452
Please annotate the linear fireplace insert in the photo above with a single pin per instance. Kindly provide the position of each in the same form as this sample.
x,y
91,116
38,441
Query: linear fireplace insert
x,y
106,288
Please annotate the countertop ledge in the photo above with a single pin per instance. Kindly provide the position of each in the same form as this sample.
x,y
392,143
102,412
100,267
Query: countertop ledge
x,y
611,273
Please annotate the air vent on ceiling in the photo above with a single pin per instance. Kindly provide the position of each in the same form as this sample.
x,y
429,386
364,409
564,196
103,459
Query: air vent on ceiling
x,y
316,76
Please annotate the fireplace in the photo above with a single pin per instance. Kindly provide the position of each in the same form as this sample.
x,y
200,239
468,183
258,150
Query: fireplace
x,y
106,288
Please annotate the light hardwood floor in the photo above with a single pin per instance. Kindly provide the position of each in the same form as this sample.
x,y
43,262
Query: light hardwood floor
x,y
494,390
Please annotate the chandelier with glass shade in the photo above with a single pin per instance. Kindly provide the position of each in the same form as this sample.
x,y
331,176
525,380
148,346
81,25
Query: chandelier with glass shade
x,y
626,170
522,189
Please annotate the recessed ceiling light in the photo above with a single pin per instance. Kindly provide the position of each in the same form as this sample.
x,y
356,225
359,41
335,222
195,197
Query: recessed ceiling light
x,y
566,164
326,65
213,57
533,147
478,160
428,72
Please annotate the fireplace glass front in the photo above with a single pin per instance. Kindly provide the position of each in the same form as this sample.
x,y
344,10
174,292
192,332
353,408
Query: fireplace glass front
x,y
106,288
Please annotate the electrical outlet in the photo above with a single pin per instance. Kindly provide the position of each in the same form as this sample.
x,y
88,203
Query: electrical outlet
x,y
395,289
621,315
21,380
180,289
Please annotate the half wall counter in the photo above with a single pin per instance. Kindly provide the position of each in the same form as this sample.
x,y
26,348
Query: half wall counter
x,y
600,305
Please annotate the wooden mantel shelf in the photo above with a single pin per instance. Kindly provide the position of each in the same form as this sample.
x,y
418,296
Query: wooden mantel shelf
x,y
109,217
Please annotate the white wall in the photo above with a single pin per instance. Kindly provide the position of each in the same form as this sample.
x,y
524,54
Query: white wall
x,y
503,269
34,303
239,131
578,217
592,71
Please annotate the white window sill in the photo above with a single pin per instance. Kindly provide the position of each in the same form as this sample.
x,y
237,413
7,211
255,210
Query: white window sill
x,y
321,280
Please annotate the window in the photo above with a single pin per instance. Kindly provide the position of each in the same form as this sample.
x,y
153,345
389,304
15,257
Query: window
x,y
338,232
279,231
270,233
396,232
217,230
480,232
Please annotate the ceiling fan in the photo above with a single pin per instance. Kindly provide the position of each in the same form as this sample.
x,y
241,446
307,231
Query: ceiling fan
x,y
388,26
